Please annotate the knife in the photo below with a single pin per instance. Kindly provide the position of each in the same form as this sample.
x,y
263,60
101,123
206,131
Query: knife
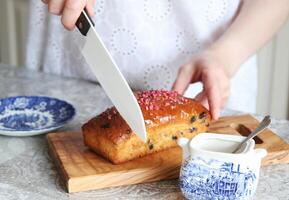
x,y
110,77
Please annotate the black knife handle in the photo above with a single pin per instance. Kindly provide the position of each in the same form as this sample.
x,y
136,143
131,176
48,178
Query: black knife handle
x,y
83,22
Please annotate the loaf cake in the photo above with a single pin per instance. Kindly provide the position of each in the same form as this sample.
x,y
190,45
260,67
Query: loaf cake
x,y
167,116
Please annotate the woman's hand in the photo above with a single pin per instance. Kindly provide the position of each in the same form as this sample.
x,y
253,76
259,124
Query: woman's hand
x,y
69,10
209,70
247,33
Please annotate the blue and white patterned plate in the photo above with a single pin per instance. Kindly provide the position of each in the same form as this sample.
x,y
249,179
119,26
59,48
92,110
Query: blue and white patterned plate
x,y
33,115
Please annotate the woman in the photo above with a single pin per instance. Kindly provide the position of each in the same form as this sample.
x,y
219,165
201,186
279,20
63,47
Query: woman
x,y
164,44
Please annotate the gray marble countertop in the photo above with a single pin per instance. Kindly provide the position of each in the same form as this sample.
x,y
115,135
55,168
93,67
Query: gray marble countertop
x,y
27,172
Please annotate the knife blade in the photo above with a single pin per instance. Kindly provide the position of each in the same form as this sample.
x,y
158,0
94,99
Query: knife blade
x,y
109,76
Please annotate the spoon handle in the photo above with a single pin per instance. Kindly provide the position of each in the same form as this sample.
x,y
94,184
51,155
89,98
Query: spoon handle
x,y
264,123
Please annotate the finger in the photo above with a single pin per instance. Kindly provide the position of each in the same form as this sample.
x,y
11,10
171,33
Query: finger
x,y
183,80
213,94
56,6
214,101
202,98
45,1
225,98
71,12
89,7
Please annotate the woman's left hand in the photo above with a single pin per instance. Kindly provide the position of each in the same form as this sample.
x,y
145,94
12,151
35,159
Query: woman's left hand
x,y
209,70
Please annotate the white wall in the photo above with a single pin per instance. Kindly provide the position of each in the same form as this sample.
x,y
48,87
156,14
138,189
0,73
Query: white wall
x,y
13,20
273,59
273,84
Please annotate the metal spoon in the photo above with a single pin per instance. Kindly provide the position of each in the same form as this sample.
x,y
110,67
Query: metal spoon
x,y
264,123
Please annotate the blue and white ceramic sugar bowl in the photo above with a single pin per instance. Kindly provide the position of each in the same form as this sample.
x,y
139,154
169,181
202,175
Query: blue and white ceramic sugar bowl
x,y
211,172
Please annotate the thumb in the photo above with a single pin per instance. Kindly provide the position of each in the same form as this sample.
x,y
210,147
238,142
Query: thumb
x,y
202,98
89,7
45,1
213,95
182,81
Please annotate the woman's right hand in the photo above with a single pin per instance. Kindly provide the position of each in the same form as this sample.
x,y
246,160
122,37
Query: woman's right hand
x,y
69,10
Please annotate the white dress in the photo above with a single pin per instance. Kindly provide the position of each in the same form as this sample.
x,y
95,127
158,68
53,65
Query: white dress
x,y
148,39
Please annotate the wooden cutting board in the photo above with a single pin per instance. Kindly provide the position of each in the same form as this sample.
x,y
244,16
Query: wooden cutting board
x,y
83,170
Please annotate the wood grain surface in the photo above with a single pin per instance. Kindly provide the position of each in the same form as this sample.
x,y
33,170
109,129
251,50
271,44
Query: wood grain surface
x,y
82,169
